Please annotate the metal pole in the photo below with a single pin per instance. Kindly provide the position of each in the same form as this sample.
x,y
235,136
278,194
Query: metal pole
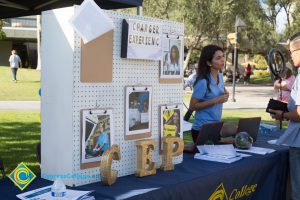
x,y
38,36
140,10
234,65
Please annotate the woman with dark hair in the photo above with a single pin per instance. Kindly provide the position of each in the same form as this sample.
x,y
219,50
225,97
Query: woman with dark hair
x,y
209,91
171,62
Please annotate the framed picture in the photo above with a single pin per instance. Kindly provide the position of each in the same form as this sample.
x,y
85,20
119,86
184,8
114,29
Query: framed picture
x,y
96,136
172,58
171,121
138,112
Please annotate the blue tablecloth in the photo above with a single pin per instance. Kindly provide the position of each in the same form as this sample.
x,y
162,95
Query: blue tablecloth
x,y
256,177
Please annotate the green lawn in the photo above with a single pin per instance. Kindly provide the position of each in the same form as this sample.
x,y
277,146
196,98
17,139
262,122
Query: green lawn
x,y
26,89
19,135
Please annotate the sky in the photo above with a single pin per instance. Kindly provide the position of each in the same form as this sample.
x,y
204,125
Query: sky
x,y
281,21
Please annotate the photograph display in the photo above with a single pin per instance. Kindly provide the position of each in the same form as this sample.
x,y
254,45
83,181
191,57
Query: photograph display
x,y
97,130
172,59
138,110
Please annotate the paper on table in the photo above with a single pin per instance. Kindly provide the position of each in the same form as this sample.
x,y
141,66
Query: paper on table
x,y
90,22
217,158
45,194
257,150
186,126
223,150
272,141
88,198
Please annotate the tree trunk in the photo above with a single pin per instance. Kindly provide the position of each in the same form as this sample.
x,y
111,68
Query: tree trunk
x,y
38,34
187,58
190,51
287,12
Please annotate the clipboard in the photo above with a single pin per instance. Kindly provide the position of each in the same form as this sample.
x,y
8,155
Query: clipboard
x,y
139,135
97,60
170,80
92,164
172,106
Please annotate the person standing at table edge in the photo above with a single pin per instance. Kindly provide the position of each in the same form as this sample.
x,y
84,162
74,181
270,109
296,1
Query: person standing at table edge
x,y
291,136
14,62
209,91
284,87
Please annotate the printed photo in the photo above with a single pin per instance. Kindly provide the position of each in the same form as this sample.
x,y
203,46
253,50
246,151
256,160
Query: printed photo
x,y
96,134
172,60
138,110
171,121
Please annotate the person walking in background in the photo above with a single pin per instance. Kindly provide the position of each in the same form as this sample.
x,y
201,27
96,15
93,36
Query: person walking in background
x,y
285,86
191,79
247,75
15,62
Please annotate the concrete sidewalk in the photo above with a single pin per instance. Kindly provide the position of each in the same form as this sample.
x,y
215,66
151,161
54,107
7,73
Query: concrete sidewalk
x,y
247,97
250,97
19,105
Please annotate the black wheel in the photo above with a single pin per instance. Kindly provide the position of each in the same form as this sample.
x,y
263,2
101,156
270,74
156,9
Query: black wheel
x,y
276,62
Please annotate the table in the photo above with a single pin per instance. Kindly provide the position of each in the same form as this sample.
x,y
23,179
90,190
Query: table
x,y
256,177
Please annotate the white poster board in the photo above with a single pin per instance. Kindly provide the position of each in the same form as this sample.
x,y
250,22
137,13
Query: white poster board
x,y
65,96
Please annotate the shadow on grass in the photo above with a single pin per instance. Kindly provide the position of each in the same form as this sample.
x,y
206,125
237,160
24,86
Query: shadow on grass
x,y
18,144
21,81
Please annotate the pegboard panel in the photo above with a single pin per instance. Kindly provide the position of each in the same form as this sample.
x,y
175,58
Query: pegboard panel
x,y
112,95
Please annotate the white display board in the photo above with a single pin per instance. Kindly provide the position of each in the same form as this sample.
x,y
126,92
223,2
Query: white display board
x,y
64,96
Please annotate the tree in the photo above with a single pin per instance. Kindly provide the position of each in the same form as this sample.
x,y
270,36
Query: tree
x,y
295,20
211,21
261,62
2,34
260,35
286,5
272,8
163,9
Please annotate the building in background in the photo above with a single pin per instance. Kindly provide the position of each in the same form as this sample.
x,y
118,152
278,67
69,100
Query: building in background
x,y
21,35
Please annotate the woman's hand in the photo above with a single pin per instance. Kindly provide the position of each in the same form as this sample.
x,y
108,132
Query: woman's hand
x,y
222,98
225,91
